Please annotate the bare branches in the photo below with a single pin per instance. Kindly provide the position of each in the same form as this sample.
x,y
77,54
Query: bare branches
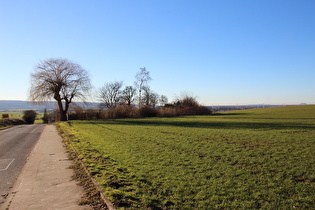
x,y
109,94
128,95
142,78
61,80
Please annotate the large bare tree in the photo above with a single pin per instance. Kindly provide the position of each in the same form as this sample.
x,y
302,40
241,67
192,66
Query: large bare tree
x,y
61,80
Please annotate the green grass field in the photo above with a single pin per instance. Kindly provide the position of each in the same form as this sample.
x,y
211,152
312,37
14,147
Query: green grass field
x,y
261,158
18,114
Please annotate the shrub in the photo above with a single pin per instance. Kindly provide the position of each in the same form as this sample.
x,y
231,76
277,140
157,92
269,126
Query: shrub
x,y
167,111
8,122
147,111
124,111
186,101
180,111
79,113
185,105
29,116
196,110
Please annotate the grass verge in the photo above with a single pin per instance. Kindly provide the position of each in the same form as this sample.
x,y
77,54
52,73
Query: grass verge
x,y
92,195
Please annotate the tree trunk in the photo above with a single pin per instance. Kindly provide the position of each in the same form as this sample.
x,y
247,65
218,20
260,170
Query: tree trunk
x,y
63,116
140,99
62,113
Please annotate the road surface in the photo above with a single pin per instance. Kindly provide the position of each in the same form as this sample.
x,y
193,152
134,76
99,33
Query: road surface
x,y
16,143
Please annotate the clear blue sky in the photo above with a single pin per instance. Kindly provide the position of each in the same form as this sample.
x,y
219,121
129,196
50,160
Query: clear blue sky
x,y
222,51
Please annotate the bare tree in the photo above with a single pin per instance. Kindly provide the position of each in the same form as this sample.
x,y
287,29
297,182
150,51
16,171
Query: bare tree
x,y
110,94
145,100
149,97
154,99
61,80
128,95
142,79
163,100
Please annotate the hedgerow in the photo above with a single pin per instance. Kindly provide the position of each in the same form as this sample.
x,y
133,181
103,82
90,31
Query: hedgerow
x,y
9,122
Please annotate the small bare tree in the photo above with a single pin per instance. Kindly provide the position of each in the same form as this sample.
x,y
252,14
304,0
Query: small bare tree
x,y
128,95
109,95
149,97
142,79
61,80
154,99
163,100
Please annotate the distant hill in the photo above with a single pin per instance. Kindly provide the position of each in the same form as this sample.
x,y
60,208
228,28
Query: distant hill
x,y
11,105
6,105
240,107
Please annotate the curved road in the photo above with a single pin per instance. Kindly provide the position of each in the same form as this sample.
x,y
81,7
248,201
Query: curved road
x,y
16,143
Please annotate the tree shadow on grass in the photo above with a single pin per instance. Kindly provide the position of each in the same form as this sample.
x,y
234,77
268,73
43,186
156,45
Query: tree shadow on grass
x,y
202,124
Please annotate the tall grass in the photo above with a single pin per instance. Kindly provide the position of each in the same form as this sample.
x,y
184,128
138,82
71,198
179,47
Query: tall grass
x,y
249,159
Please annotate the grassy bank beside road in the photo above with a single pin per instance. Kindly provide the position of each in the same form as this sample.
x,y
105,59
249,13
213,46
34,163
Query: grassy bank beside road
x,y
261,158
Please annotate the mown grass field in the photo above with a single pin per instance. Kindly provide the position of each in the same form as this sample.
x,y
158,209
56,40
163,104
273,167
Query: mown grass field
x,y
262,158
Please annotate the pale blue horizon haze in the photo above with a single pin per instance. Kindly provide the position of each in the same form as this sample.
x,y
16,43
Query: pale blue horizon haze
x,y
221,51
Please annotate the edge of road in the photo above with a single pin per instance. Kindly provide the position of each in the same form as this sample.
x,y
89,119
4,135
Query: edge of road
x,y
45,181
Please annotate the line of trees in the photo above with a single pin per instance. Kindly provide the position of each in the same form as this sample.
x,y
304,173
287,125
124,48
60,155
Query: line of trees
x,y
65,81
113,94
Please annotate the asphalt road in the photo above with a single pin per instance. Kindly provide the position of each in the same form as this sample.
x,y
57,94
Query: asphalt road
x,y
16,143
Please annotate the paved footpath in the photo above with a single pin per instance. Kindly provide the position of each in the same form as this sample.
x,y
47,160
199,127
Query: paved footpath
x,y
45,181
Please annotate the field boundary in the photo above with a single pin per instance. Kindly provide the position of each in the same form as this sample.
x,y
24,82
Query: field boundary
x,y
109,204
